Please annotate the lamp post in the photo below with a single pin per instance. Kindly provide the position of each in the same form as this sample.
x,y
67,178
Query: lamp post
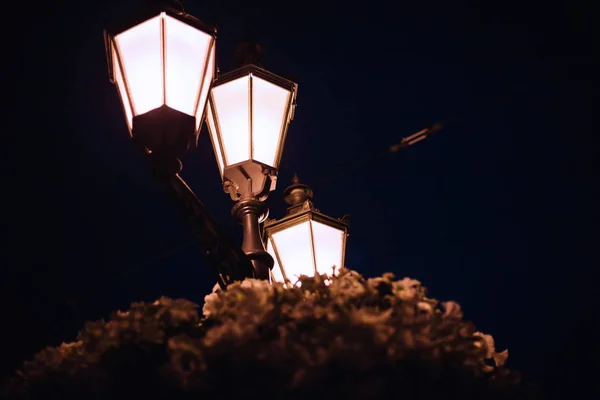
x,y
163,64
305,241
248,114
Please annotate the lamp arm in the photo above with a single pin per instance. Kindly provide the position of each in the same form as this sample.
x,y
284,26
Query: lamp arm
x,y
228,261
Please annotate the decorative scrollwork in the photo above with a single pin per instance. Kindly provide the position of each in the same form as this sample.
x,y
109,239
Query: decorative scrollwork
x,y
230,188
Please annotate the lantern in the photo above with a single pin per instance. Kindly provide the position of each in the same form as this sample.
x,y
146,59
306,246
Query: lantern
x,y
305,241
248,114
163,66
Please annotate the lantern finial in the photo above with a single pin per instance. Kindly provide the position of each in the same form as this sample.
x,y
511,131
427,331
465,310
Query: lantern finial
x,y
295,179
297,193
249,52
175,4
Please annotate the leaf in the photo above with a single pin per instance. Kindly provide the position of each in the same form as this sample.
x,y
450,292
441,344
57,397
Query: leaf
x,y
500,358
488,343
452,310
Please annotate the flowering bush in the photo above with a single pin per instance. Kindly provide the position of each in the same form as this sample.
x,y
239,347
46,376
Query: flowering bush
x,y
347,337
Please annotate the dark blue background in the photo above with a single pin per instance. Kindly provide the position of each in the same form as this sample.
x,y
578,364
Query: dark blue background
x,y
497,211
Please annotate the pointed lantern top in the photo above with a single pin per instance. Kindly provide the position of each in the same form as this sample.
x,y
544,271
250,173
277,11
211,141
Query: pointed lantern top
x,y
297,193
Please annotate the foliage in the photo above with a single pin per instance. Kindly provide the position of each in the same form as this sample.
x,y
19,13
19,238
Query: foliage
x,y
346,337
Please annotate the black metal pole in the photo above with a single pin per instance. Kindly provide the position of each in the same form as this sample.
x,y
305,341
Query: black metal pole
x,y
250,212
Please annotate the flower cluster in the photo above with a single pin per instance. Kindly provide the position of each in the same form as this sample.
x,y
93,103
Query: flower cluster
x,y
326,337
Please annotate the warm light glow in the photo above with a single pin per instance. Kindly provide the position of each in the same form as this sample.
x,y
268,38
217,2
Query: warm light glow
x,y
269,107
122,91
250,116
300,245
232,107
163,61
186,49
208,78
277,274
212,130
329,247
140,49
294,247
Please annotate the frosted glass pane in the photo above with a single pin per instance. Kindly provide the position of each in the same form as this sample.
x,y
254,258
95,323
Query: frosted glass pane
x,y
329,245
122,89
269,106
277,274
208,80
213,137
185,54
141,54
294,248
232,104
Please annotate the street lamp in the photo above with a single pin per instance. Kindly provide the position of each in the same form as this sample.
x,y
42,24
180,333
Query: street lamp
x,y
163,65
305,241
248,114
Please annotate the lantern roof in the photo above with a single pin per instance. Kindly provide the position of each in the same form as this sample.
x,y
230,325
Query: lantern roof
x,y
300,198
120,24
259,72
173,9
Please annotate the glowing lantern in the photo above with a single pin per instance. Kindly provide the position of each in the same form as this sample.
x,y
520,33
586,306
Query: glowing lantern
x,y
248,114
305,241
163,68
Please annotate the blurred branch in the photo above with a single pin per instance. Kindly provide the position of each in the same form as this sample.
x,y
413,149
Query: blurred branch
x,y
353,166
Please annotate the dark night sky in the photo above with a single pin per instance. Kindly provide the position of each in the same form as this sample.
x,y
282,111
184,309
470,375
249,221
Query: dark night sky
x,y
496,211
